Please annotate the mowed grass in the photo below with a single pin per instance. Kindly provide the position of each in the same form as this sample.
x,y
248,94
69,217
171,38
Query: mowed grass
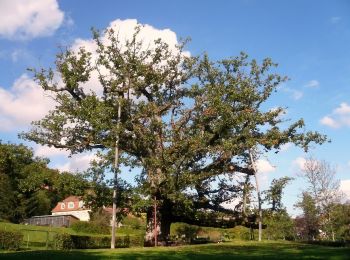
x,y
231,250
35,237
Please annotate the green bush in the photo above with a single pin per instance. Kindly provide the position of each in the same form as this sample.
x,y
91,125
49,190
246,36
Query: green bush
x,y
328,243
239,233
134,222
90,228
67,241
63,241
10,240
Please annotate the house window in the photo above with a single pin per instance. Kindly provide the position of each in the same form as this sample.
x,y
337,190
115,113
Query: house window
x,y
63,206
71,205
81,204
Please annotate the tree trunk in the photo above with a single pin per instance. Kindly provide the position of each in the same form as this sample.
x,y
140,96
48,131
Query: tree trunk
x,y
163,223
258,193
115,179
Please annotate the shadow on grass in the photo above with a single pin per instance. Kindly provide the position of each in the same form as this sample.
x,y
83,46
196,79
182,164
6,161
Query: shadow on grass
x,y
246,250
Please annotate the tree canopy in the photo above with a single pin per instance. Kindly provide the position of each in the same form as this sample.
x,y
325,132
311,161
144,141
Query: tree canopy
x,y
189,122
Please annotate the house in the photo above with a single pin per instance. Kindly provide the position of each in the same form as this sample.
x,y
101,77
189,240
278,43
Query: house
x,y
72,205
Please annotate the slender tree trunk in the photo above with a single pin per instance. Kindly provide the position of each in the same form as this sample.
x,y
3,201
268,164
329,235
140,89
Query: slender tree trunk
x,y
155,222
245,194
115,181
259,195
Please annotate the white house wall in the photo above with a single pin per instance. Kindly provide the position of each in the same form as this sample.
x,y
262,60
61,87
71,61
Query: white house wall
x,y
82,215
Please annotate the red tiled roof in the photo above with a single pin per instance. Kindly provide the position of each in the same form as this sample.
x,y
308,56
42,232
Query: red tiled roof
x,y
70,203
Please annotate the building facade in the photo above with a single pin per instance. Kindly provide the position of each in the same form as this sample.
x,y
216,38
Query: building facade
x,y
72,205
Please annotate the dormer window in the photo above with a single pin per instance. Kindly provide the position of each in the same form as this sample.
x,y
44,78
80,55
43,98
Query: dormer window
x,y
63,206
71,205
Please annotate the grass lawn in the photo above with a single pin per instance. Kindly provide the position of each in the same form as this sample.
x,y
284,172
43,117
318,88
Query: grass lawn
x,y
35,237
231,250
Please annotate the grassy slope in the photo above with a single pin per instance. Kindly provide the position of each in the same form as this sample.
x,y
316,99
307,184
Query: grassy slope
x,y
232,250
37,234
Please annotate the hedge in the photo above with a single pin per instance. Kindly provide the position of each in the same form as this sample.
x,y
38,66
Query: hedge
x,y
338,243
90,227
10,240
67,241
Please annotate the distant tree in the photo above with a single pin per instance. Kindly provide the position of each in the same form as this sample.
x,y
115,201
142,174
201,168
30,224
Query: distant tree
x,y
324,189
274,194
279,225
28,186
309,224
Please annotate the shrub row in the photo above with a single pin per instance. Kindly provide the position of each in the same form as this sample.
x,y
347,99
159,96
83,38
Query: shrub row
x,y
339,243
67,241
90,227
10,240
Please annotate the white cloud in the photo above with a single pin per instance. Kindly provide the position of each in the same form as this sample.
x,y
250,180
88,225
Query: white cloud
x,y
286,147
343,109
340,117
312,84
299,162
345,187
264,166
27,19
45,151
77,163
295,94
23,103
335,19
328,121
124,30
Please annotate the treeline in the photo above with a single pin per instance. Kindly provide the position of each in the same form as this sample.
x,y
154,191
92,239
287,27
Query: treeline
x,y
29,187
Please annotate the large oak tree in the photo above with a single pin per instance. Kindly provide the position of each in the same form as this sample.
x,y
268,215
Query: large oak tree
x,y
187,121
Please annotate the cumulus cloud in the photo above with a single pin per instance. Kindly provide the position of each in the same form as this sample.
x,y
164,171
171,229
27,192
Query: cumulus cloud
x,y
286,147
338,118
124,30
299,162
45,151
312,84
335,19
77,163
29,19
295,94
264,168
23,103
25,93
345,188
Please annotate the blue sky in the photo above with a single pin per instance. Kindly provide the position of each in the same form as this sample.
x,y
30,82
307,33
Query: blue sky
x,y
309,39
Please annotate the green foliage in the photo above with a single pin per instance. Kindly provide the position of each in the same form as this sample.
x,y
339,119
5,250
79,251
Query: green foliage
x,y
239,233
275,192
28,187
188,232
308,224
67,241
134,222
279,225
90,227
187,121
10,240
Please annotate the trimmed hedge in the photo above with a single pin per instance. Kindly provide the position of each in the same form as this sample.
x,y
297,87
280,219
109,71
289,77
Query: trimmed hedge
x,y
10,240
90,227
67,241
338,243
